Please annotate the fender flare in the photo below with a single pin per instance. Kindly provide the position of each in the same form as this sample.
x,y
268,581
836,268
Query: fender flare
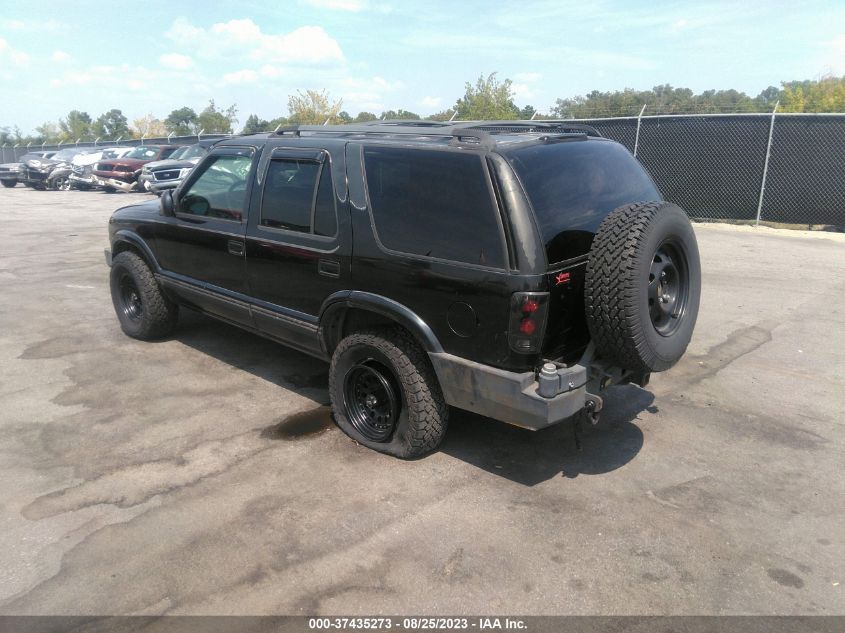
x,y
331,315
136,241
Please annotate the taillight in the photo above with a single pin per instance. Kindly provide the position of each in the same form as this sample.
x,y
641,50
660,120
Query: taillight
x,y
527,321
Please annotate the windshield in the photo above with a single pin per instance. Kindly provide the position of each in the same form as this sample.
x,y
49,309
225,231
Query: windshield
x,y
194,151
143,153
573,185
180,152
66,154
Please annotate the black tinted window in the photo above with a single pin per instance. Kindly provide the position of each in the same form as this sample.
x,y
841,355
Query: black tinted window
x,y
434,203
573,185
325,218
292,200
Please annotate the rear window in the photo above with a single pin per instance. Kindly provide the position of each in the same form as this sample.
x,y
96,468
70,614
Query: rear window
x,y
434,204
573,185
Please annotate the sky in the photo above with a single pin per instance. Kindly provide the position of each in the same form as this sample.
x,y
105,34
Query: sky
x,y
153,57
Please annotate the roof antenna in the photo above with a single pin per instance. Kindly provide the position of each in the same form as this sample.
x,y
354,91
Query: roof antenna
x,y
326,122
454,114
276,131
533,115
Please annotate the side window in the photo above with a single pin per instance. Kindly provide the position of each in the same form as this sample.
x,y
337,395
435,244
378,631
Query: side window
x,y
220,189
298,196
435,204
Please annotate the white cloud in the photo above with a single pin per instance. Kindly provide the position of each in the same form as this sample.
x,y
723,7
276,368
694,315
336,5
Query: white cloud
x,y
522,91
18,58
241,77
60,56
679,25
431,102
31,27
834,59
176,61
245,39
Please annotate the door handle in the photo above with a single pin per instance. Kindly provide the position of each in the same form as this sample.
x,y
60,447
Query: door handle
x,y
328,267
236,247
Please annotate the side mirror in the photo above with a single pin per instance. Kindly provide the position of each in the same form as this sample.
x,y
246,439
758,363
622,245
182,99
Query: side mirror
x,y
167,203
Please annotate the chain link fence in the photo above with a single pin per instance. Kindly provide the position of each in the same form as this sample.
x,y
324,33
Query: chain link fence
x,y
787,168
11,153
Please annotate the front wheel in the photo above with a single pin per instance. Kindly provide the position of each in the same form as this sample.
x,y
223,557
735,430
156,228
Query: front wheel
x,y
61,183
385,394
9,183
142,308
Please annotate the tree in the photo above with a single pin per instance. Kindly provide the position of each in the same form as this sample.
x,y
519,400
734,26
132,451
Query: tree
x,y
148,127
399,114
75,126
363,117
443,115
824,95
215,121
182,122
488,99
48,132
344,117
111,125
254,125
313,107
527,112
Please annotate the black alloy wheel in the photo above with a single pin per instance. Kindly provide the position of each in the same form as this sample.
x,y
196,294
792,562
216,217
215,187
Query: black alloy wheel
x,y
371,399
668,288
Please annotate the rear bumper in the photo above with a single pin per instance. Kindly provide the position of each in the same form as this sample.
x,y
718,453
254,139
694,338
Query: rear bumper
x,y
509,396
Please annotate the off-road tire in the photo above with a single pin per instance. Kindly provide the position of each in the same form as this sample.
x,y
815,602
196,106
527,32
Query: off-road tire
x,y
422,421
9,183
158,315
616,285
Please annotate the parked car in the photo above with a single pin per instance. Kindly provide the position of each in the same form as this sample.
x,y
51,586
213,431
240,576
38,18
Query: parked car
x,y
122,173
82,167
13,173
512,269
167,174
53,172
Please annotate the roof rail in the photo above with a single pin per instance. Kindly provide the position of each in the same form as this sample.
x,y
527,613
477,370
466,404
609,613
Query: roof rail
x,y
292,130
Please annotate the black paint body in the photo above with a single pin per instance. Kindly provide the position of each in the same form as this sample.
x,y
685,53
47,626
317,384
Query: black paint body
x,y
302,288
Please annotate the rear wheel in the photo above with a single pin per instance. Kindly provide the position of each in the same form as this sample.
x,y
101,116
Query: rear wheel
x,y
385,394
142,308
642,286
61,183
9,183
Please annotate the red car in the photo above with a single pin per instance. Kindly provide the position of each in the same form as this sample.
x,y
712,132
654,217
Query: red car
x,y
122,173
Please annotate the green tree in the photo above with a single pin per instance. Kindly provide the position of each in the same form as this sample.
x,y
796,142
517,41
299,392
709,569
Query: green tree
x,y
182,122
75,126
212,120
254,125
488,99
527,112
48,132
344,117
313,107
363,117
111,125
401,114
443,115
823,95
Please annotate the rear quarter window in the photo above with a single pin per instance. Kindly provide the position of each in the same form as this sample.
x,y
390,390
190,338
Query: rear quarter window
x,y
435,204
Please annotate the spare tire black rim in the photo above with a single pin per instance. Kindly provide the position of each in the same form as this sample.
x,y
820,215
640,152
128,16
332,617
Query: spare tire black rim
x,y
668,287
371,400
130,298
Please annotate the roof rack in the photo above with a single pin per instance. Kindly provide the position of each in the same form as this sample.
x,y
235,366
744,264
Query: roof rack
x,y
472,132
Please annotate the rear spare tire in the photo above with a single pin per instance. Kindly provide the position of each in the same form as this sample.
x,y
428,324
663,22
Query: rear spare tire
x,y
642,286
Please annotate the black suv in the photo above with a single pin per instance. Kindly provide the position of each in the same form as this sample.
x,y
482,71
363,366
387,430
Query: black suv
x,y
513,269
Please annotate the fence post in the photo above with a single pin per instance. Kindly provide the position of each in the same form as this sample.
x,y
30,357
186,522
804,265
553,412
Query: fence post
x,y
637,137
766,164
